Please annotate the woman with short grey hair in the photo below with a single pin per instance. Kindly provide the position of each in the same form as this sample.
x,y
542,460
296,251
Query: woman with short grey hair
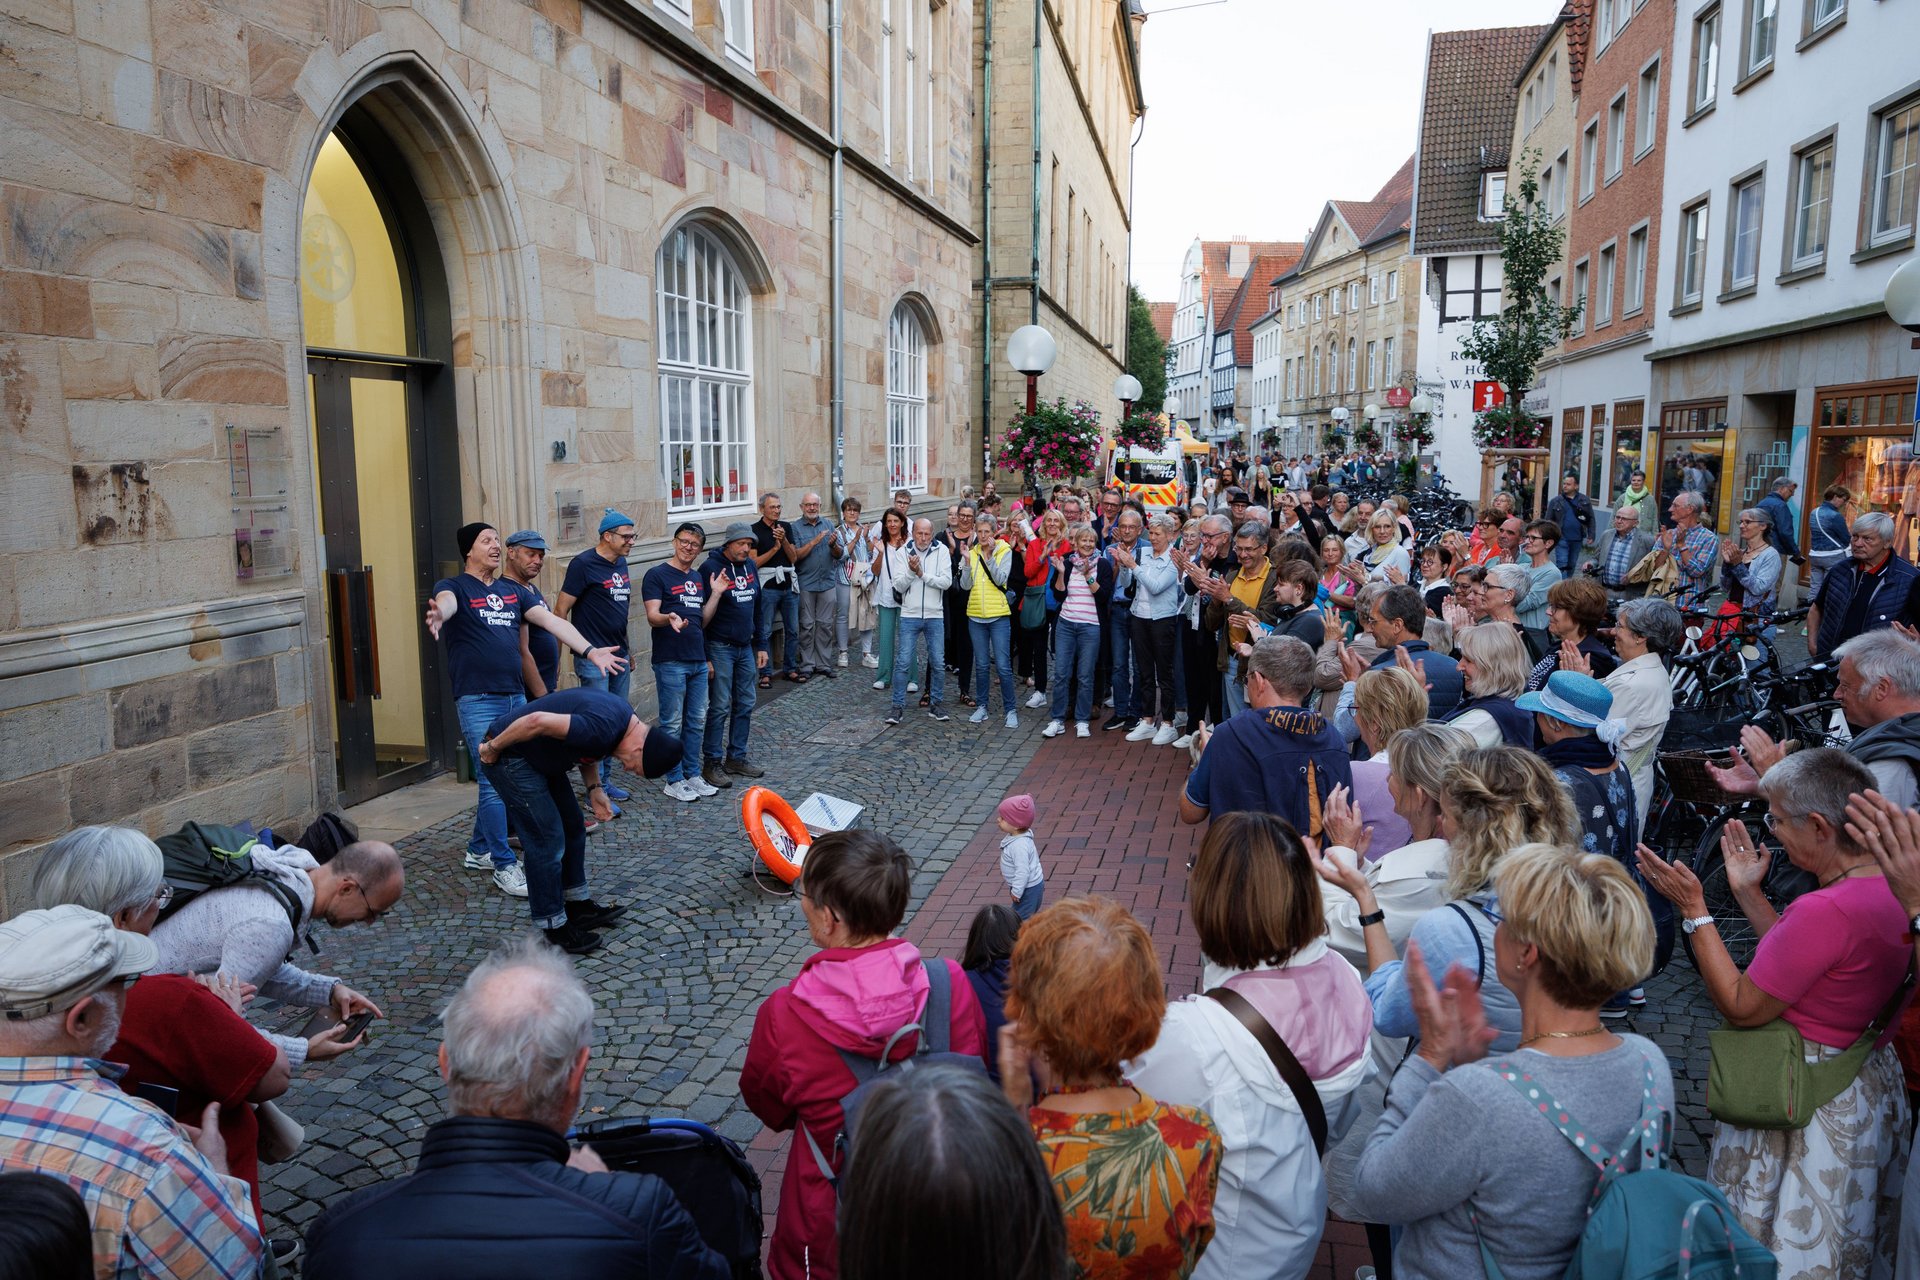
x,y
1752,563
1643,630
176,1031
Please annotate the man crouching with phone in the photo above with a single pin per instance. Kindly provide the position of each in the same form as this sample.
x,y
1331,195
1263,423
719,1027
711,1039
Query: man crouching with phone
x,y
497,1190
527,755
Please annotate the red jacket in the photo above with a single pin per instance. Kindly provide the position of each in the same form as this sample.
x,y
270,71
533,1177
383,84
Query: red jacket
x,y
843,998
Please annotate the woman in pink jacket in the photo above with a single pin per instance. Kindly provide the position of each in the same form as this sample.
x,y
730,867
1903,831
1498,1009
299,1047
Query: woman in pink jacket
x,y
849,999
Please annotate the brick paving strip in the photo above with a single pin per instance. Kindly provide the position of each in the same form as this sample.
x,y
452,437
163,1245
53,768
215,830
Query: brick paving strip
x,y
678,984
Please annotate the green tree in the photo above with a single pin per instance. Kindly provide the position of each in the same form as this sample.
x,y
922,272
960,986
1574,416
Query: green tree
x,y
1510,345
1146,353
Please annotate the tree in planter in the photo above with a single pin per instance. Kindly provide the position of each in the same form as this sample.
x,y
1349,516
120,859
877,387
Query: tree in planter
x,y
1054,442
1510,345
1146,354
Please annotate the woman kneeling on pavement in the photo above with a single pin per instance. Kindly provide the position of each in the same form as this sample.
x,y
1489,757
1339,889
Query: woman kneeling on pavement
x,y
1825,1198
1255,903
850,998
1462,1157
1135,1175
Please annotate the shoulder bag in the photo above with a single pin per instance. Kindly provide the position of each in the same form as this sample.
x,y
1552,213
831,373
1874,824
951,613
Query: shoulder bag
x,y
1284,1062
1759,1077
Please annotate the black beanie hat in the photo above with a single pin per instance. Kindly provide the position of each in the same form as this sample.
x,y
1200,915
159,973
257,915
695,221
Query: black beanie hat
x,y
468,535
659,753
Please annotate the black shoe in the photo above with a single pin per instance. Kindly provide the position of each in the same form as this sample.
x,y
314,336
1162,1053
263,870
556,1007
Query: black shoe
x,y
715,775
1117,722
939,713
286,1252
740,768
585,913
573,939
893,718
826,672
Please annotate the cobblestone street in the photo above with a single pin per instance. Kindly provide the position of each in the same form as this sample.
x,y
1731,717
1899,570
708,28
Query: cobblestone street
x,y
678,984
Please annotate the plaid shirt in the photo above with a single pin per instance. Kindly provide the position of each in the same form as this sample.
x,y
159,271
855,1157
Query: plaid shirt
x,y
1694,552
1619,561
157,1206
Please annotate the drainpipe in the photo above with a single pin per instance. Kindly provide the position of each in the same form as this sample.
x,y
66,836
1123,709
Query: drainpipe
x,y
838,303
1033,310
986,244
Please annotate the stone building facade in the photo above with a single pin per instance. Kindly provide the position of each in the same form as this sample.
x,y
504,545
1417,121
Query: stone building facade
x,y
288,292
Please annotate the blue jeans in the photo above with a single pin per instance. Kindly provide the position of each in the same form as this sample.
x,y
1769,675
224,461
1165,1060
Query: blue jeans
x,y
1029,901
477,711
683,711
1566,554
590,678
787,601
992,645
1235,687
934,629
553,836
1076,650
730,699
1120,660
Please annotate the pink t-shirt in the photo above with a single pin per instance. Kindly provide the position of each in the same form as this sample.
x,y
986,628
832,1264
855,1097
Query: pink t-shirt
x,y
1835,957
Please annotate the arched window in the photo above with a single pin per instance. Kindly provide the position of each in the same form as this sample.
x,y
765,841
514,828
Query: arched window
x,y
706,384
906,401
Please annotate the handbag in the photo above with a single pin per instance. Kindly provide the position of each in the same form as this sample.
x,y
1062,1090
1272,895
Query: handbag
x,y
1759,1077
1284,1062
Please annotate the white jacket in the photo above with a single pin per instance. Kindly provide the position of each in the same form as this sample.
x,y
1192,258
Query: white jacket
x,y
1408,882
922,595
1643,697
1271,1206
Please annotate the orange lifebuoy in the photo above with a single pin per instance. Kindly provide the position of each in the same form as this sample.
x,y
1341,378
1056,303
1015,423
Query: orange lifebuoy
x,y
777,833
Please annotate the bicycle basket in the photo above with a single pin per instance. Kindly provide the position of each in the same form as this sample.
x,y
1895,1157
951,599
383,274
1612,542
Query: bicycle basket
x,y
1698,730
1687,777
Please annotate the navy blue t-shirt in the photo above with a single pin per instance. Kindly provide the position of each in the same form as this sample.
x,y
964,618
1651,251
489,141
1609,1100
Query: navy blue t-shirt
x,y
598,721
544,645
1264,759
732,622
483,635
601,592
684,593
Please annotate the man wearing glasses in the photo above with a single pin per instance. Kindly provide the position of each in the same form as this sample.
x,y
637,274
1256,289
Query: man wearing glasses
x,y
596,597
679,603
1864,593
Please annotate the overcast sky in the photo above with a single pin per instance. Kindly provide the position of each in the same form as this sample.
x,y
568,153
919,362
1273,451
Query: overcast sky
x,y
1260,111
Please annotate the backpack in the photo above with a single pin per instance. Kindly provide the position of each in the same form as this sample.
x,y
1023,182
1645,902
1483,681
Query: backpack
x,y
935,1024
199,858
1649,1223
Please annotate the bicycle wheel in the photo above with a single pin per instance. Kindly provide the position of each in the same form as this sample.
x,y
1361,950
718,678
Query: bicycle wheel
x,y
1783,884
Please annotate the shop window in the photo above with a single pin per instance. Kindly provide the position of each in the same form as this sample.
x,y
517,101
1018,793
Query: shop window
x,y
1596,451
1693,446
1573,436
1863,439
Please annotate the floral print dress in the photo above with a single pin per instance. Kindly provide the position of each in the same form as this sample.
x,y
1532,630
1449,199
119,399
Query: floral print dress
x,y
1137,1186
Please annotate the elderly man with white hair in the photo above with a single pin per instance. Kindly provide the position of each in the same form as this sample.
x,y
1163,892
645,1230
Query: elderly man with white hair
x,y
498,1191
1692,546
1866,592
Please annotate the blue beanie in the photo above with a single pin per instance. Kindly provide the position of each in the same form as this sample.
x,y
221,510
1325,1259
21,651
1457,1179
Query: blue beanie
x,y
613,520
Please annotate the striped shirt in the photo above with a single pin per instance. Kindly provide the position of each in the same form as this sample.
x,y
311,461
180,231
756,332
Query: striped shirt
x,y
157,1207
1079,606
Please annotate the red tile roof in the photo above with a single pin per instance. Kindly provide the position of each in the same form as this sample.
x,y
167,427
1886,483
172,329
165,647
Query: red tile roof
x,y
1162,313
1244,311
1466,130
1399,187
1217,277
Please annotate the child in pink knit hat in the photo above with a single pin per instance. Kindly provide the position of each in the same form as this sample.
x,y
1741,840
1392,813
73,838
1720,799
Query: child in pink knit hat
x,y
1020,856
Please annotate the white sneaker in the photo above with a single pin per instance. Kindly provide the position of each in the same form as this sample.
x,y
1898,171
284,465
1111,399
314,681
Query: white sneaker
x,y
681,791
511,880
1037,700
1080,729
1142,731
843,657
868,660
1054,729
1013,720
1166,737
1182,742
479,862
979,716
913,686
879,684
701,786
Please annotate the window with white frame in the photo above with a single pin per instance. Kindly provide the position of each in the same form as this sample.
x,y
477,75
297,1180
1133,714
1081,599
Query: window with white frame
x,y
1315,389
706,379
1894,173
1333,301
1743,233
906,401
1393,286
1636,271
1812,203
1547,192
1319,300
1493,196
1693,253
1373,361
681,9
1589,158
1821,12
1530,114
1706,59
1579,298
1604,23
1333,368
1763,33
1616,135
1353,367
1603,287
1373,290
737,18
1387,372
1353,296
1647,108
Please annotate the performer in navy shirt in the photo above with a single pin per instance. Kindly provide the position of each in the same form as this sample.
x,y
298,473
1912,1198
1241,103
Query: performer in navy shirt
x,y
482,616
735,584
527,753
595,596
678,603
526,555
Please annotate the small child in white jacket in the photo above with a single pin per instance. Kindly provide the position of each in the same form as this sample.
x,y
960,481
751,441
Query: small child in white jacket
x,y
1019,856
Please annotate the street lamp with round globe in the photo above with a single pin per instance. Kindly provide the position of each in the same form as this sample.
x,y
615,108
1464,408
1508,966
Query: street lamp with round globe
x,y
1903,296
1126,389
1031,350
1370,412
1420,404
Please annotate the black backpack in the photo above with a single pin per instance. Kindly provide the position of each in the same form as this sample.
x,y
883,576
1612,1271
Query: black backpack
x,y
706,1171
201,857
935,1025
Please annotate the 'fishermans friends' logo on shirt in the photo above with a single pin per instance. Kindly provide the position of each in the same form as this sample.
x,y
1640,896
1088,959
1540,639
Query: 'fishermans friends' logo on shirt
x,y
619,586
495,611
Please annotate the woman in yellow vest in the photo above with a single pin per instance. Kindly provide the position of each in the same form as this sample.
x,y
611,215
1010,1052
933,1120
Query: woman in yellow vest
x,y
983,575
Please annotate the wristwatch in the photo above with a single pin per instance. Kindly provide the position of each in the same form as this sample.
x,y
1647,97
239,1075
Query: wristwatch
x,y
1913,926
1372,917
1698,922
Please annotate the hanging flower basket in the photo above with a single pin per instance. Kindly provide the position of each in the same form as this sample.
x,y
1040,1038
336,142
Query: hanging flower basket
x,y
1335,440
1054,442
1366,436
1418,433
1507,427
1146,432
